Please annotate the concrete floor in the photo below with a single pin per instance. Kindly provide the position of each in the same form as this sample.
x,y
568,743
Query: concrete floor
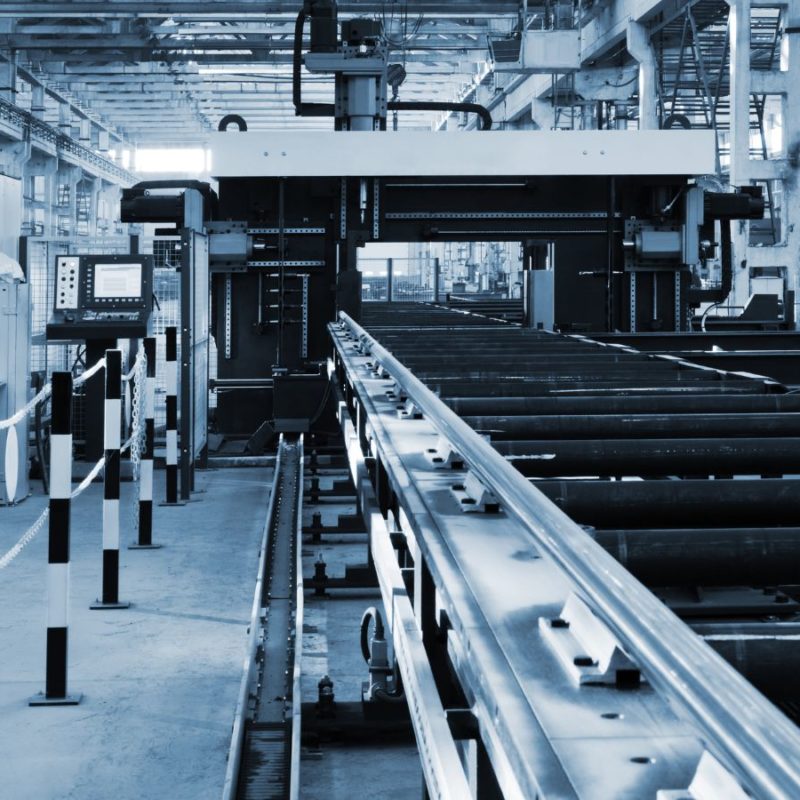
x,y
160,679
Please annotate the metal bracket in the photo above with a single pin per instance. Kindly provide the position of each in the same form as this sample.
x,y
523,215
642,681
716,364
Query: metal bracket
x,y
304,346
587,649
407,410
474,497
343,210
376,208
229,313
377,369
275,264
443,456
711,782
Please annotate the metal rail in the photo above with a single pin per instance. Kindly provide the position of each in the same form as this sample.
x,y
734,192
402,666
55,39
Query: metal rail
x,y
743,729
264,753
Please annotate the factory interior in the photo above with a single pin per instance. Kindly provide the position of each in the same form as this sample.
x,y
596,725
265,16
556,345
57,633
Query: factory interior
x,y
397,400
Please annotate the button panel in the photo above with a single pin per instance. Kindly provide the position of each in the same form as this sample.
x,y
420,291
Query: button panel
x,y
67,282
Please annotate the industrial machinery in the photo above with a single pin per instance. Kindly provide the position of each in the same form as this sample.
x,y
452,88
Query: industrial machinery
x,y
620,210
512,624
624,246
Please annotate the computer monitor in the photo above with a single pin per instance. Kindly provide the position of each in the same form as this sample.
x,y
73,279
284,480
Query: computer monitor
x,y
114,281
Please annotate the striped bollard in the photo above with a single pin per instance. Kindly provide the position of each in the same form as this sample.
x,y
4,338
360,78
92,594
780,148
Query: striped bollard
x,y
112,443
145,539
55,693
171,375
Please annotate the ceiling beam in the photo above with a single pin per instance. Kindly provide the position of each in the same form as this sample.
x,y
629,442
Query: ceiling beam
x,y
199,8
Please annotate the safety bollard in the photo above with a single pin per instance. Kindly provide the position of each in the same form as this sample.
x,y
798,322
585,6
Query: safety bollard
x,y
171,374
58,547
145,537
112,443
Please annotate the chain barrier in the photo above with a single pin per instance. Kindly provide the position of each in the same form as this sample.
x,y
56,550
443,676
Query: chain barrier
x,y
135,443
84,484
139,375
89,373
26,409
44,394
26,538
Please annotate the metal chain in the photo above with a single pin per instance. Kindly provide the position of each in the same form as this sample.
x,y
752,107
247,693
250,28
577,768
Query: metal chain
x,y
84,484
26,409
137,412
43,395
26,537
136,440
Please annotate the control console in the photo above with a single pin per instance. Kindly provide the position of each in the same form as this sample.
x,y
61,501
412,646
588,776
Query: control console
x,y
101,297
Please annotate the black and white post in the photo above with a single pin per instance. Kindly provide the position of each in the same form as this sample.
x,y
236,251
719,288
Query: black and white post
x,y
148,393
58,548
112,443
171,376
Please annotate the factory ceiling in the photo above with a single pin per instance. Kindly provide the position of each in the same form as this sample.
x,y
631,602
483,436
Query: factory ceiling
x,y
167,72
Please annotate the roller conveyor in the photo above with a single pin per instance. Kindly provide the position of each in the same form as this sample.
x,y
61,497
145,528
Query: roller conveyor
x,y
692,519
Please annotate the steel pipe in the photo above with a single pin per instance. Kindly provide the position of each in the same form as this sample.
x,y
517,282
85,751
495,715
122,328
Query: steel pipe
x,y
766,653
685,503
653,457
465,387
741,727
706,556
634,426
643,403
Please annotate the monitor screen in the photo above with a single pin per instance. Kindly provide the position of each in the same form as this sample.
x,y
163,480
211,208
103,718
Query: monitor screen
x,y
117,280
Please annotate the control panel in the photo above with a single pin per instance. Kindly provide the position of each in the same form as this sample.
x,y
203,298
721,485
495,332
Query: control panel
x,y
101,297
67,281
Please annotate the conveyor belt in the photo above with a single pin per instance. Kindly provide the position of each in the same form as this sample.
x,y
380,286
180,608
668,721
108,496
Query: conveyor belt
x,y
660,476
265,743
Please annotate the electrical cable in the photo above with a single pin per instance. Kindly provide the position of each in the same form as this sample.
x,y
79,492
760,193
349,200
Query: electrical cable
x,y
435,105
302,109
370,614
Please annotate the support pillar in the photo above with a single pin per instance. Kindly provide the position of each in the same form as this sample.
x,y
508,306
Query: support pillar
x,y
58,571
638,44
37,101
8,78
739,32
